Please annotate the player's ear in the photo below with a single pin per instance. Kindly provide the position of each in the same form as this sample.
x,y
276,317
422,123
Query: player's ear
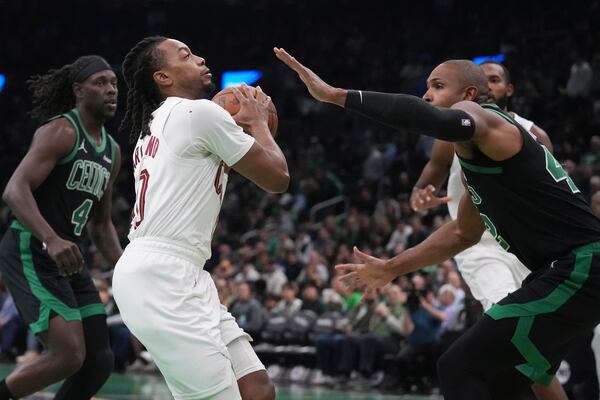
x,y
510,90
78,90
162,78
470,93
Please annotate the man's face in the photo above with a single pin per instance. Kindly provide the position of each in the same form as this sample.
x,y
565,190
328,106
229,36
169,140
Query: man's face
x,y
243,292
444,87
501,89
185,73
98,93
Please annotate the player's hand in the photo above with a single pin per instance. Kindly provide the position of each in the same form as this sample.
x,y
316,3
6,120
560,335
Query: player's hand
x,y
253,110
371,273
66,255
318,88
423,199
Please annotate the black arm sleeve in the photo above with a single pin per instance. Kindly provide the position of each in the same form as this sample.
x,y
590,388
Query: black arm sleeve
x,y
410,113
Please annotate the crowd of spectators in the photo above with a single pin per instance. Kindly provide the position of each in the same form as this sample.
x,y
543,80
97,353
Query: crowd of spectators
x,y
351,178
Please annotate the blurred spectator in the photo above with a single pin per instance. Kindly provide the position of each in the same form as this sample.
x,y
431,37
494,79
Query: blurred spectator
x,y
422,325
311,299
248,312
289,304
315,271
580,79
363,351
274,278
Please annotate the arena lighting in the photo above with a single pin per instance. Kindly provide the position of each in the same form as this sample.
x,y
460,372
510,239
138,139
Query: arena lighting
x,y
234,78
497,58
2,81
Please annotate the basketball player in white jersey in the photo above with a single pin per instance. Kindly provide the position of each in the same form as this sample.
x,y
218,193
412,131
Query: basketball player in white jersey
x,y
489,271
183,151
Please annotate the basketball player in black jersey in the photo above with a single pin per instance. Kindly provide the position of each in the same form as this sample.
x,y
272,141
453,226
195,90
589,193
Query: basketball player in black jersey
x,y
63,182
521,194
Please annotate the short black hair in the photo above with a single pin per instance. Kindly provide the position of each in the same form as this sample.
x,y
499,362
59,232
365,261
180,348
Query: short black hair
x,y
505,70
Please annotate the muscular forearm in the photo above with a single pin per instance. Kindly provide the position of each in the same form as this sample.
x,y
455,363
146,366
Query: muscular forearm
x,y
23,205
432,175
263,136
440,246
412,114
106,240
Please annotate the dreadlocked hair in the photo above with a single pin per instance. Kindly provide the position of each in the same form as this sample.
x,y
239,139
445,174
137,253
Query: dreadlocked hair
x,y
53,92
143,95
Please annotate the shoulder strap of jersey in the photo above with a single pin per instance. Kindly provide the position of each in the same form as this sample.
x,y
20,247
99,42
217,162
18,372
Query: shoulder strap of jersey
x,y
70,116
113,152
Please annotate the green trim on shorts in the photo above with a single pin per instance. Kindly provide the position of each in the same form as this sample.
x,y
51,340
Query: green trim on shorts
x,y
537,366
91,310
479,169
48,301
559,296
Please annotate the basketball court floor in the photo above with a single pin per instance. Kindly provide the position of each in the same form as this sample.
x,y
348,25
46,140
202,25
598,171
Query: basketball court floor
x,y
152,387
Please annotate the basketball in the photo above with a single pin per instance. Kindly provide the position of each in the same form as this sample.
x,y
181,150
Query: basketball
x,y
226,99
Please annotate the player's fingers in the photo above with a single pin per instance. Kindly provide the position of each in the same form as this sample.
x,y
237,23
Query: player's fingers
x,y
239,95
362,256
444,200
284,56
348,268
247,92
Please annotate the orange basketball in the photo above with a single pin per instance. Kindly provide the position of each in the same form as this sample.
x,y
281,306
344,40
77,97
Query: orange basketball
x,y
226,99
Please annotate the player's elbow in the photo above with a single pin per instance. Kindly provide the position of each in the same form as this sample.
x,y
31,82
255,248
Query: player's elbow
x,y
10,195
280,183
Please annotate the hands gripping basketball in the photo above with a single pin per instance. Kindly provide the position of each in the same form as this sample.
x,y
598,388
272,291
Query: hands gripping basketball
x,y
253,110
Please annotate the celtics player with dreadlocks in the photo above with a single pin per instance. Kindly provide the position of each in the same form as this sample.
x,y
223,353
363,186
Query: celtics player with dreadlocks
x,y
63,182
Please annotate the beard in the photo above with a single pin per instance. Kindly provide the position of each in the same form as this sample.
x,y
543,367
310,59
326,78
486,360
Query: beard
x,y
502,102
210,88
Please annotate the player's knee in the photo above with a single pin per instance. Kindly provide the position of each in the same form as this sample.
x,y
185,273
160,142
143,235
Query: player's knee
x,y
68,362
257,386
264,391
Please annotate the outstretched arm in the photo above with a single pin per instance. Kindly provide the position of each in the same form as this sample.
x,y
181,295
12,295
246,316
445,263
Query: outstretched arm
x,y
447,241
400,111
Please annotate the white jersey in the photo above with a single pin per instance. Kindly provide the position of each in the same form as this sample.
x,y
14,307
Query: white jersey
x,y
524,122
179,172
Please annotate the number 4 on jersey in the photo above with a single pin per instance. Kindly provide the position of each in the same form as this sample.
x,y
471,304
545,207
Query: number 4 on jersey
x,y
80,216
557,171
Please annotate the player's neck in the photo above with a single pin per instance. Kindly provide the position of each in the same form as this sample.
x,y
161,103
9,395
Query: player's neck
x,y
91,123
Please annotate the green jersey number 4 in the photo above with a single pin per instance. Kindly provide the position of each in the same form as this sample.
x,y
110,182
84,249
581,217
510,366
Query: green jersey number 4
x,y
80,216
557,171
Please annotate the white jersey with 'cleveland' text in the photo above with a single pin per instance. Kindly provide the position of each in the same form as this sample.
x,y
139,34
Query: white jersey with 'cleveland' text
x,y
180,171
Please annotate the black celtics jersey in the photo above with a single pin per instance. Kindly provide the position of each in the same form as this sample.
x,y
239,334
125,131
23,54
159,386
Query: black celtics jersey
x,y
528,202
69,195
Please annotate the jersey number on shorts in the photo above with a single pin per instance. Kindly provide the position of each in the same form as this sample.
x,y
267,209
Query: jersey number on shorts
x,y
557,171
141,198
80,216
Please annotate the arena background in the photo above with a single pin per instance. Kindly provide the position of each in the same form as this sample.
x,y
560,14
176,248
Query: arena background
x,y
351,178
